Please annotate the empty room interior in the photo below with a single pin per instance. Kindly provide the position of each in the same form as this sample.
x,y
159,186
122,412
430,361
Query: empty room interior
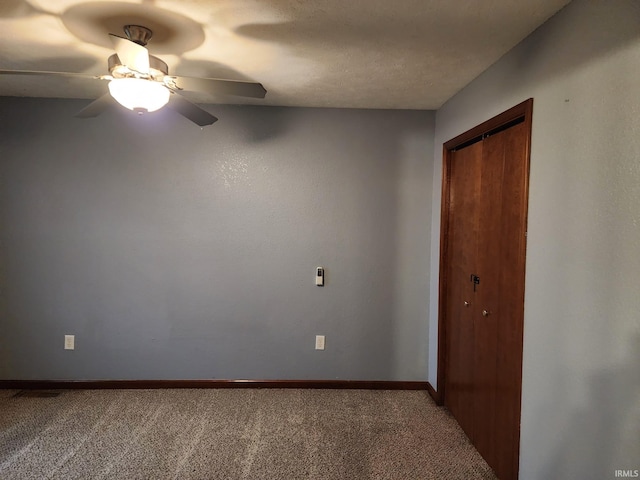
x,y
258,278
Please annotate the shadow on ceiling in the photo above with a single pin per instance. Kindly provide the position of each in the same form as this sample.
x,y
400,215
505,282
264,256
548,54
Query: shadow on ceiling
x,y
173,33
19,9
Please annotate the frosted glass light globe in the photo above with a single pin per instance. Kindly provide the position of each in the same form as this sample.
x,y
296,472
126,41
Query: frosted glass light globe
x,y
139,94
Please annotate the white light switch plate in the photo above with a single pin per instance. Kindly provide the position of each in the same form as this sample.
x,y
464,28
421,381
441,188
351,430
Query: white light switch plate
x,y
69,342
319,342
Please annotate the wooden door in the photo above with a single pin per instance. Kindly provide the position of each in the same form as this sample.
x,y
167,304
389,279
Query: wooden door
x,y
481,323
463,234
498,307
503,296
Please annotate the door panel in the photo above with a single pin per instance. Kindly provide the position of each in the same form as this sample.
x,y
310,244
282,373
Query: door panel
x,y
487,312
511,288
462,248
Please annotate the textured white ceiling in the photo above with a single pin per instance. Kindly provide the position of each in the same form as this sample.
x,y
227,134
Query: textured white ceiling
x,y
412,54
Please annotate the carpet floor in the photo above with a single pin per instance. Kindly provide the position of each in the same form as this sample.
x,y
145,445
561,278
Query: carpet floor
x,y
265,434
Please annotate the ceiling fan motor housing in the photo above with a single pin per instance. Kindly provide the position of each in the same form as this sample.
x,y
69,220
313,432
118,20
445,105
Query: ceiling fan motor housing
x,y
157,68
137,33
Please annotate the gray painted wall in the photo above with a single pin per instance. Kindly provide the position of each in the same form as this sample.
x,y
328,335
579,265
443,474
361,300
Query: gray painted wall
x,y
581,385
174,252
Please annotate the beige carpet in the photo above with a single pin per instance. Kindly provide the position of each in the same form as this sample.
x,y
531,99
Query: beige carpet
x,y
233,434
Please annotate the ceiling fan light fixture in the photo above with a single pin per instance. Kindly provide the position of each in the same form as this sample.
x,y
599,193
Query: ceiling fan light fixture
x,y
139,94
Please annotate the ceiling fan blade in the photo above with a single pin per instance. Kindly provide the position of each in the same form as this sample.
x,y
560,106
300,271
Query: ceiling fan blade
x,y
96,107
44,72
132,55
189,110
218,86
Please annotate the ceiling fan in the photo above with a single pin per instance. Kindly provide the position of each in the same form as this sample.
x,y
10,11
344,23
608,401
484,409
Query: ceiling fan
x,y
141,82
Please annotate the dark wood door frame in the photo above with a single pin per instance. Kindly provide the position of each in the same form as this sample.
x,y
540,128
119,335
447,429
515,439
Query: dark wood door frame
x,y
520,113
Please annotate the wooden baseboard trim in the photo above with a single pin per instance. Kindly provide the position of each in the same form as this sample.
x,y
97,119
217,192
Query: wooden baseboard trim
x,y
434,394
152,384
